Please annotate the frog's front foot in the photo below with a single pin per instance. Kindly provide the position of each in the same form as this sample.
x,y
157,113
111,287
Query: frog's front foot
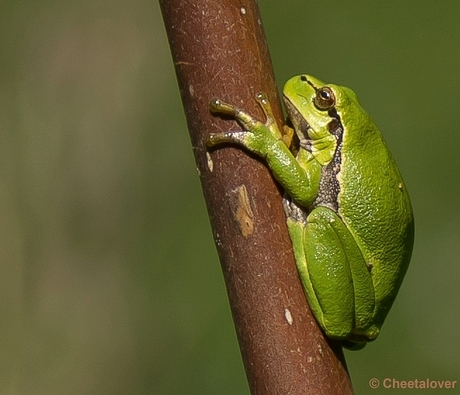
x,y
255,134
218,106
248,123
227,137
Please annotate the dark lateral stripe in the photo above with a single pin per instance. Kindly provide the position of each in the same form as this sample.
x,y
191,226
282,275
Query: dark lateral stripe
x,y
329,186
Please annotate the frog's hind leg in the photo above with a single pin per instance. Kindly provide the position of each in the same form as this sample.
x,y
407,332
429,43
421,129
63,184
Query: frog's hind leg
x,y
337,282
297,224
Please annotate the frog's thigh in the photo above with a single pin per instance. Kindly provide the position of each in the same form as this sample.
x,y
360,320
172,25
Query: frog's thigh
x,y
345,279
335,277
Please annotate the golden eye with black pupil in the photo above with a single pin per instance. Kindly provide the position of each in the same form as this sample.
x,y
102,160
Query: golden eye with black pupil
x,y
324,99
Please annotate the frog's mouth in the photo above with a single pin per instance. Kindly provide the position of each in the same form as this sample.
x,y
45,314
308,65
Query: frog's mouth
x,y
300,124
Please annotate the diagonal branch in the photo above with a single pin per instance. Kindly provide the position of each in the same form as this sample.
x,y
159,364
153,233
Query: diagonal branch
x,y
219,50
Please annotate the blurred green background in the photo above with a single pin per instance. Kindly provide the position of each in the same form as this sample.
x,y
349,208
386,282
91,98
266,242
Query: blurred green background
x,y
109,279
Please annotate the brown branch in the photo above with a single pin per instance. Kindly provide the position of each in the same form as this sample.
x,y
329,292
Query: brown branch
x,y
219,50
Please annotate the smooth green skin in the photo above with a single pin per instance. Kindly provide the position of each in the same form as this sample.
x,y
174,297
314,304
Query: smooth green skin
x,y
349,215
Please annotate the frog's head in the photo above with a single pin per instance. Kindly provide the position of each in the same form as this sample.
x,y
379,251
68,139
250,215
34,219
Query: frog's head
x,y
314,110
314,107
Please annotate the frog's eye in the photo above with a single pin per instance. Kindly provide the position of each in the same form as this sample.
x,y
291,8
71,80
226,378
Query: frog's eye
x,y
324,99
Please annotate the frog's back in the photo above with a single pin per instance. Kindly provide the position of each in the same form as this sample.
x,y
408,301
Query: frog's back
x,y
376,207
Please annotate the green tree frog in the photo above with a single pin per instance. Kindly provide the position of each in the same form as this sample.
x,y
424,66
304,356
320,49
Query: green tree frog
x,y
348,211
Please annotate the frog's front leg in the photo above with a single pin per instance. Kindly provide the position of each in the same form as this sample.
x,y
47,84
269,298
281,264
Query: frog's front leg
x,y
266,140
257,136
